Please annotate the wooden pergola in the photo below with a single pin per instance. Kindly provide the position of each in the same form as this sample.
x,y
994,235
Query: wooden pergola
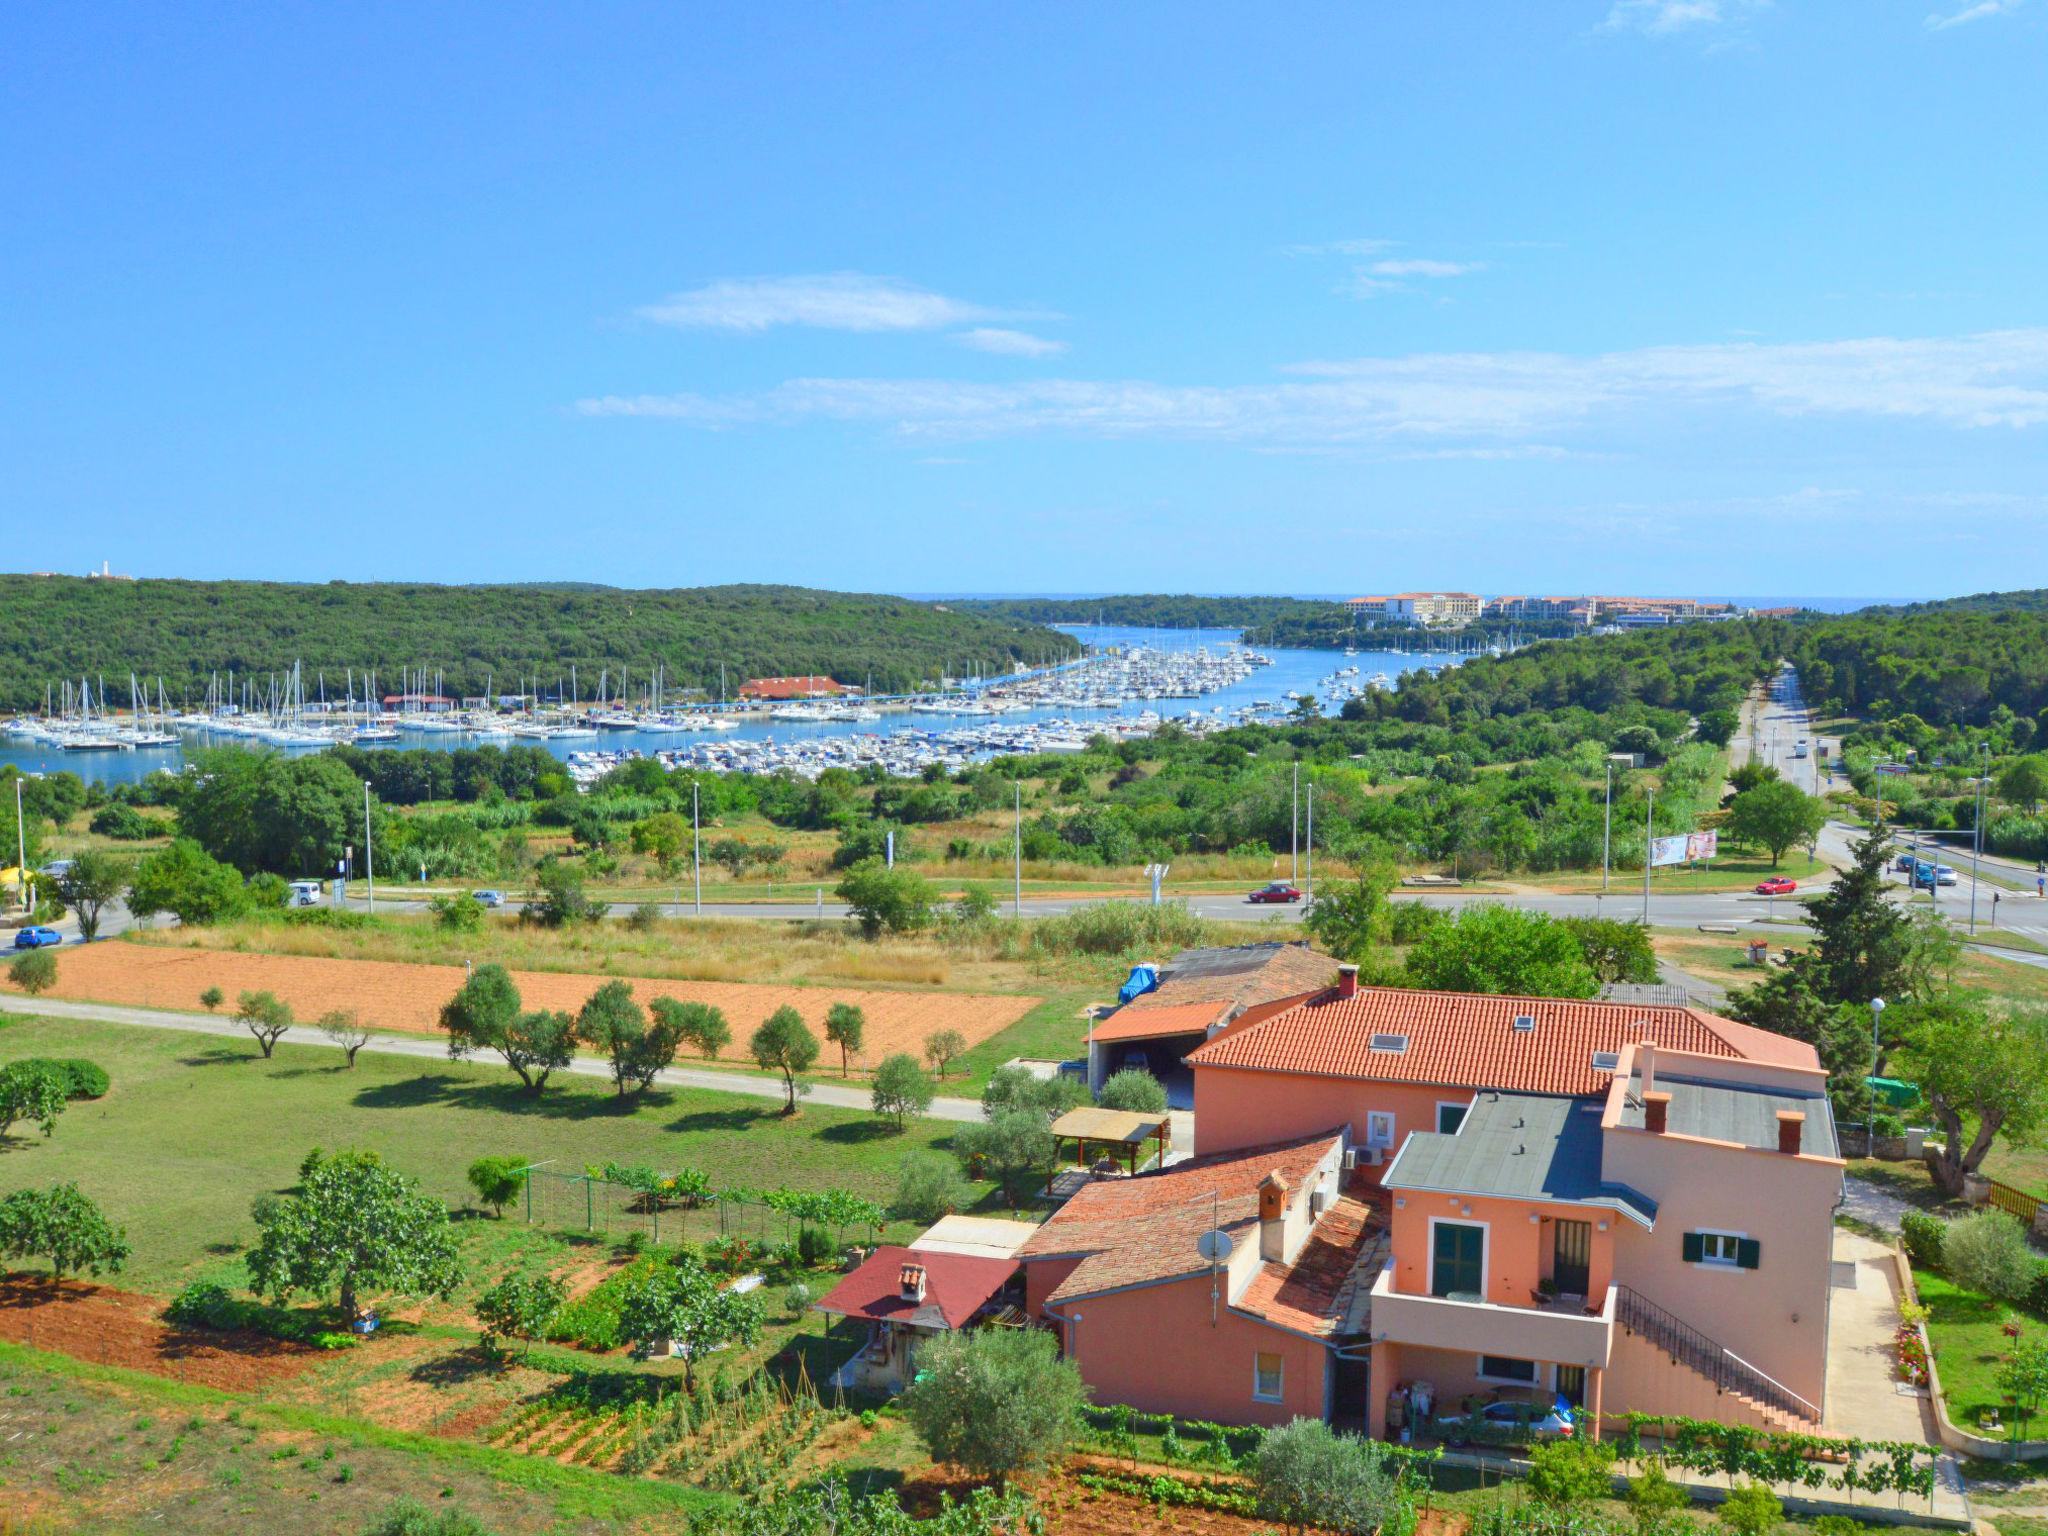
x,y
1127,1130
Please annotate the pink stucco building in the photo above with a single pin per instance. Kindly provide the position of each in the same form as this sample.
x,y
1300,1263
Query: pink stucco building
x,y
1629,1206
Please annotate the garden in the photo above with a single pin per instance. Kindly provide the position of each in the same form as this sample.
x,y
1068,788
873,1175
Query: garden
x,y
1983,1311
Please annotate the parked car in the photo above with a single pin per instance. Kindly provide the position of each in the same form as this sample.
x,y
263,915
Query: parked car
x,y
37,938
56,869
1278,891
1510,1421
1943,875
1904,862
1776,885
489,898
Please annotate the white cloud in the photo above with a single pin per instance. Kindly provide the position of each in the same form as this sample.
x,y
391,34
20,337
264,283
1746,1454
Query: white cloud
x,y
1420,267
1936,22
835,301
989,338
1441,401
1661,16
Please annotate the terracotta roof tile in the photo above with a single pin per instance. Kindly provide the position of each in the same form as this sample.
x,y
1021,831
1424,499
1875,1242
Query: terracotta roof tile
x,y
1241,974
956,1284
1135,1023
1458,1039
1310,1295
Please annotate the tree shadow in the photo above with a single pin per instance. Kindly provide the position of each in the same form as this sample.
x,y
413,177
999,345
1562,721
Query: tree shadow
x,y
455,1369
218,1057
737,1119
860,1132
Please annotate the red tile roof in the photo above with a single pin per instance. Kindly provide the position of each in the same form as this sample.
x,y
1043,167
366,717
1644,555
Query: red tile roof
x,y
1151,1023
956,1285
806,687
1458,1039
1130,1231
1310,1295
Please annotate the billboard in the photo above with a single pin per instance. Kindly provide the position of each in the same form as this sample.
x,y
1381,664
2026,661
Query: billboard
x,y
1702,845
1667,850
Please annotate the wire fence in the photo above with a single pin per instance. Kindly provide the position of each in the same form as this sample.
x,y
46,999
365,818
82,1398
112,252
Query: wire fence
x,y
586,1203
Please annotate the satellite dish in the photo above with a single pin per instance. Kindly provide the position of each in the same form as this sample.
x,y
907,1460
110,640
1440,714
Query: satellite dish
x,y
1215,1246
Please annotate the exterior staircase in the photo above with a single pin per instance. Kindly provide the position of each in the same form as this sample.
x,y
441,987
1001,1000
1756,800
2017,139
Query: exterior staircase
x,y
1771,1402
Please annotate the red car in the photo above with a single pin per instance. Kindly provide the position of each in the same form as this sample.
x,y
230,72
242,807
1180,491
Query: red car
x,y
1777,885
1279,890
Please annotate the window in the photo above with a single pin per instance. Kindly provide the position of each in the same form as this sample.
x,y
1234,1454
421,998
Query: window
x,y
1379,1128
1269,1374
1448,1118
1605,1061
1724,1250
1393,1044
1525,1021
1502,1368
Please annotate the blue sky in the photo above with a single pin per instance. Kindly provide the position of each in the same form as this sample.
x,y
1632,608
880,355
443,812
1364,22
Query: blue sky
x,y
1670,295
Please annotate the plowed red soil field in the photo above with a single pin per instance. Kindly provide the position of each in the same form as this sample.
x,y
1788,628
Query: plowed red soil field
x,y
390,995
96,1323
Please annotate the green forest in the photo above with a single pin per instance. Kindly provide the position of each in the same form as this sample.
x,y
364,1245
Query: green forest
x,y
186,631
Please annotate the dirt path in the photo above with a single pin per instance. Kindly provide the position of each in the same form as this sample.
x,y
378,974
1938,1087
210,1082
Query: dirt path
x,y
393,995
110,1327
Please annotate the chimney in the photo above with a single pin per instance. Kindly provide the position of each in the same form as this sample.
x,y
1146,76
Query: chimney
x,y
911,1282
1656,1112
1347,981
1273,1217
1646,1063
1791,1123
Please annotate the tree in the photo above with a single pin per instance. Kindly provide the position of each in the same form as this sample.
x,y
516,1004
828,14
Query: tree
x,y
63,1226
942,1047
457,913
928,1186
680,1304
2023,1377
1018,1087
357,1226
187,882
266,1016
1354,918
1307,1474
562,902
1785,1003
1862,940
212,998
1987,1251
881,899
1751,775
485,1014
1014,1147
995,1401
1492,948
264,811
2024,781
1751,1510
700,1025
345,1027
1977,1070
30,1090
34,971
902,1088
498,1181
519,1307
662,837
845,1026
1614,950
612,1022
784,1044
94,880
1775,816
1134,1089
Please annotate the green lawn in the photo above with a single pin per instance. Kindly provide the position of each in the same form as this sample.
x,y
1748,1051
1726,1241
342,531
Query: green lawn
x,y
1966,1330
195,1127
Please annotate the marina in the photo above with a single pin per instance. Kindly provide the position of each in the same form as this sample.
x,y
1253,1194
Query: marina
x,y
1131,681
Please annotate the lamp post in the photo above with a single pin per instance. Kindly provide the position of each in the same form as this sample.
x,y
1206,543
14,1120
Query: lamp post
x,y
20,847
696,851
1607,829
369,854
1017,852
1293,828
1876,1017
1977,828
1649,838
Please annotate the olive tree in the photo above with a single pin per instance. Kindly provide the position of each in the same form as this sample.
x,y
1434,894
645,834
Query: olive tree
x,y
63,1226
1307,1474
30,1090
266,1016
699,1025
846,1026
681,1304
612,1022
356,1226
902,1088
34,971
785,1044
996,1401
485,1014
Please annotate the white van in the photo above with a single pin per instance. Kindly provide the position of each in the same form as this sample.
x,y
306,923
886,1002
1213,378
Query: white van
x,y
306,893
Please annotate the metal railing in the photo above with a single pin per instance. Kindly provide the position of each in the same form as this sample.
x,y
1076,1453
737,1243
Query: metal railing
x,y
1728,1371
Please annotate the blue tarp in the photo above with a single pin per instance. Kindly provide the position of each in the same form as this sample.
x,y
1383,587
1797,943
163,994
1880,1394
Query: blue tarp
x,y
1143,980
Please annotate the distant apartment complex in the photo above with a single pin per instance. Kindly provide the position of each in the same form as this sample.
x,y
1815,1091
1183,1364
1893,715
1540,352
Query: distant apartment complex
x,y
1456,608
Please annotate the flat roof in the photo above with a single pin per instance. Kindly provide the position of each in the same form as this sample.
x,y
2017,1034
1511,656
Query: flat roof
x,y
1521,1146
1092,1123
979,1236
1735,1112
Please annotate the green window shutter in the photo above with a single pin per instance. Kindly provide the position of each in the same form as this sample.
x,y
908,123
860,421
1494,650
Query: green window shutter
x,y
1747,1251
1693,1248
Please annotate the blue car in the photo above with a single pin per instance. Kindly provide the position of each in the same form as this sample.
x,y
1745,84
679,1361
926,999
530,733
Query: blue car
x,y
37,938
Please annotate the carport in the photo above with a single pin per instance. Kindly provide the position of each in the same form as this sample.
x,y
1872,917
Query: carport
x,y
1156,1038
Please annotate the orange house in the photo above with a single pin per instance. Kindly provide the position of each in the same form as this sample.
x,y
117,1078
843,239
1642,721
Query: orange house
x,y
1626,1206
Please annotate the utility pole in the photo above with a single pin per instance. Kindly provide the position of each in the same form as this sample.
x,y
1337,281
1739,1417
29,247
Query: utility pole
x,y
1977,827
369,855
1294,830
1607,830
20,846
1310,889
696,850
1649,837
1017,850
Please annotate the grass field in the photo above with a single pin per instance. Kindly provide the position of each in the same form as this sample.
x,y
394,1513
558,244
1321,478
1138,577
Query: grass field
x,y
195,1128
1969,1341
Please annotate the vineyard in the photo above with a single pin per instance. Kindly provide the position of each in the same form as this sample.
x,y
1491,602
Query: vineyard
x,y
746,1438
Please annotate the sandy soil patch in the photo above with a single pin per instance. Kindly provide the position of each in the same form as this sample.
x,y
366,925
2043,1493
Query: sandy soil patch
x,y
393,995
110,1327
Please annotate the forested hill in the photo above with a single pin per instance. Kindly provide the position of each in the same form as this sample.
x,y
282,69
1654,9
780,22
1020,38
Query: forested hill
x,y
184,631
1155,610
2032,600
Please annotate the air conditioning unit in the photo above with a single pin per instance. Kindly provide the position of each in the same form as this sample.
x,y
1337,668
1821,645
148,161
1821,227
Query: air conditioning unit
x,y
1350,1159
1378,1155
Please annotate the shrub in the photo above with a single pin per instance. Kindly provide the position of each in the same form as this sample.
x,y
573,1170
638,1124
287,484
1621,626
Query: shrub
x,y
1653,1496
1133,1089
1987,1251
796,1298
996,1401
81,1079
212,998
1308,1474
34,971
1571,1471
928,1186
407,1517
814,1246
124,824
1751,1510
1922,1234
497,1181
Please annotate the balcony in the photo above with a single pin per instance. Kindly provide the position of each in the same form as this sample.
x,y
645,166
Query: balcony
x,y
1570,1335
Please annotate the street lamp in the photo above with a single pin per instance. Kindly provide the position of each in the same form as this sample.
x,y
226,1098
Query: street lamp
x,y
1876,1017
